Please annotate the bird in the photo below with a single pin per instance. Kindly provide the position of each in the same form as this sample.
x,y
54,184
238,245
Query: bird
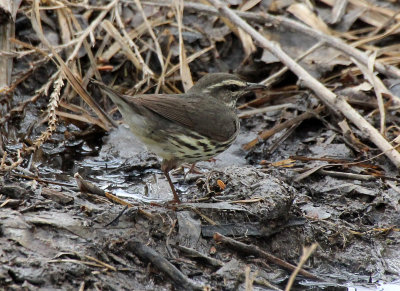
x,y
188,127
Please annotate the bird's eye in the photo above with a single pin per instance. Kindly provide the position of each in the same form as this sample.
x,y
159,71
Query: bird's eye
x,y
233,87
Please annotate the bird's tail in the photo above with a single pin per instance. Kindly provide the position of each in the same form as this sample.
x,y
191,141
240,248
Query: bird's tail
x,y
115,96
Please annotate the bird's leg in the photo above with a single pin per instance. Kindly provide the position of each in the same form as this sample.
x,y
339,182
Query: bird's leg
x,y
176,197
166,166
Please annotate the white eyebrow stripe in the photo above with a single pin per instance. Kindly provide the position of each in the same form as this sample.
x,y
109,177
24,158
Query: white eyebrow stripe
x,y
228,82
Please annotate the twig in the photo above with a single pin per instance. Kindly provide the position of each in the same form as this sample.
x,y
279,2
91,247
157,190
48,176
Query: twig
x,y
251,112
338,11
249,280
52,116
351,176
4,167
186,75
267,133
191,253
87,187
132,35
304,257
108,266
90,29
116,219
7,30
278,142
76,262
254,250
379,88
153,36
146,253
111,30
268,81
146,70
190,59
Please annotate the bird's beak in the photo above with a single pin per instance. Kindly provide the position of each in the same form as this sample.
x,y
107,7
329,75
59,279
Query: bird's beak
x,y
255,87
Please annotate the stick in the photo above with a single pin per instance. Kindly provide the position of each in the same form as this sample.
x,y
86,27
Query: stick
x,y
148,254
256,251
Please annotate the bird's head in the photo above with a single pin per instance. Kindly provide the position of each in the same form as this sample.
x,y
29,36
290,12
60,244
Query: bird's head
x,y
226,87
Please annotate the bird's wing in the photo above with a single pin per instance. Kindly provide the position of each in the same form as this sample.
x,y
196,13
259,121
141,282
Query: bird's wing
x,y
204,115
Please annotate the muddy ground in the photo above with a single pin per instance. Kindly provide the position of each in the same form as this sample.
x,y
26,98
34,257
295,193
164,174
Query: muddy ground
x,y
246,216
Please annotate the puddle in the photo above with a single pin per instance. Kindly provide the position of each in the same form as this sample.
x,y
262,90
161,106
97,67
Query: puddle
x,y
124,167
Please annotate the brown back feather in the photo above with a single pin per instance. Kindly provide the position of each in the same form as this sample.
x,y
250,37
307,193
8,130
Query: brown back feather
x,y
205,115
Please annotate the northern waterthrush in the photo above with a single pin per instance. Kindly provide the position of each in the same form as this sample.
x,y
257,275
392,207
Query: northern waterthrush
x,y
190,127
